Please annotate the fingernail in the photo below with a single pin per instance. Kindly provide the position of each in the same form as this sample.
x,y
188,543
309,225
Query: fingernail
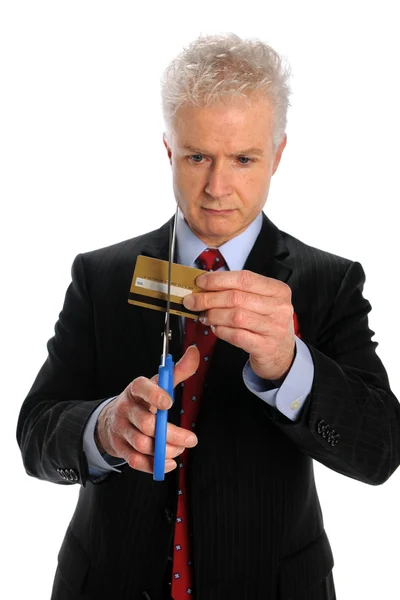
x,y
203,320
191,439
188,301
165,403
212,328
200,281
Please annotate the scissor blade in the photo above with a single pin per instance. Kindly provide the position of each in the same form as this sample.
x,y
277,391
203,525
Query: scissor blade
x,y
167,334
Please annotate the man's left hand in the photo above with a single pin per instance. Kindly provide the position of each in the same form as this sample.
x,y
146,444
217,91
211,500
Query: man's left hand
x,y
252,312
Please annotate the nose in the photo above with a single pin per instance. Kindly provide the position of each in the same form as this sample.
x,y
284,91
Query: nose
x,y
219,181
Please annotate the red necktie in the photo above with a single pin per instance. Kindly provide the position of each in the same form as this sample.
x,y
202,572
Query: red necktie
x,y
203,337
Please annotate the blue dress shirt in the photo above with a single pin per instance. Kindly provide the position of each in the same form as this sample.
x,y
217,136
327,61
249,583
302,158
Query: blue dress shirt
x,y
288,398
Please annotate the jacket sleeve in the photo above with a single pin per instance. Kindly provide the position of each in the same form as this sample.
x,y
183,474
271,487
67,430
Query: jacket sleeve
x,y
351,419
54,414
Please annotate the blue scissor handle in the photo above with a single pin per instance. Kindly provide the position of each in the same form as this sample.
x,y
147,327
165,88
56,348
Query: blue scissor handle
x,y
166,382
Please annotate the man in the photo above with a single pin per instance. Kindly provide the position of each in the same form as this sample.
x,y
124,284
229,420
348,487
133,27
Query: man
x,y
283,367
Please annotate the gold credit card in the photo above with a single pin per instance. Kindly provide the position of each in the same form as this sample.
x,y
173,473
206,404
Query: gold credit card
x,y
149,287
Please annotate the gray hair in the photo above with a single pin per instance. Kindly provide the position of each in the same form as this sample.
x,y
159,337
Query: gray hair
x,y
215,67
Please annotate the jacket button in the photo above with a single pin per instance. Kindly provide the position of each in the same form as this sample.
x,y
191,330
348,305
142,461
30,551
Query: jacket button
x,y
331,435
74,476
325,430
169,515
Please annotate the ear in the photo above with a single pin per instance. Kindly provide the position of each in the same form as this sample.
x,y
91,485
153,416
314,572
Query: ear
x,y
169,151
278,153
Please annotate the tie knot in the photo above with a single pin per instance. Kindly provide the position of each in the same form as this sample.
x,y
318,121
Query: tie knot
x,y
211,259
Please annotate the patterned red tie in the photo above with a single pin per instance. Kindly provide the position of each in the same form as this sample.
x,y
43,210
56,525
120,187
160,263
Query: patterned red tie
x,y
202,336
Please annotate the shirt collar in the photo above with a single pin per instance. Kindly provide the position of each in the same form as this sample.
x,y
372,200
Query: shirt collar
x,y
235,251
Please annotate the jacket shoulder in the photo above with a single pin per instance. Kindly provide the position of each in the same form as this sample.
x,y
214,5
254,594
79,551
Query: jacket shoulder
x,y
314,255
118,257
120,250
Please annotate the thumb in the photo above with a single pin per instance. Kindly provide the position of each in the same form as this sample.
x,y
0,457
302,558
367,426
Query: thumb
x,y
187,365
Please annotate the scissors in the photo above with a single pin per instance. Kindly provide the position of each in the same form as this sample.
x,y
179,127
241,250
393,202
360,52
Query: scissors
x,y
165,372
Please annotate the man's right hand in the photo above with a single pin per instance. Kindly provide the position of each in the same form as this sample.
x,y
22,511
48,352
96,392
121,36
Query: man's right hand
x,y
126,426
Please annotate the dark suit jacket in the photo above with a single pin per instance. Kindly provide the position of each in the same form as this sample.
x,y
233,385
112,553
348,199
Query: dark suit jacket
x,y
256,519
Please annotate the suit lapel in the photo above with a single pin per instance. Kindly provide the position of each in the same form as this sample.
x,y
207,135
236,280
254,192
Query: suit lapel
x,y
267,257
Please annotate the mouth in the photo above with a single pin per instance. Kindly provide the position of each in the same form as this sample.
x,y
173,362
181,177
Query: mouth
x,y
224,212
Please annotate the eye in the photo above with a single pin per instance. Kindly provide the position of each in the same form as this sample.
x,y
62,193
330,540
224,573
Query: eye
x,y
244,160
197,158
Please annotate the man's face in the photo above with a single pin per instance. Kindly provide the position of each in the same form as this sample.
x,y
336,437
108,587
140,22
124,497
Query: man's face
x,y
222,163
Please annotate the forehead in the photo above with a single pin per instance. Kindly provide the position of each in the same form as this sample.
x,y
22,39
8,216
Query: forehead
x,y
244,122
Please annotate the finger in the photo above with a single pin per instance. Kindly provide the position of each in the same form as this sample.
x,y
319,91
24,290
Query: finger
x,y
184,368
145,421
241,280
239,318
148,391
187,365
145,444
246,340
230,298
141,462
179,436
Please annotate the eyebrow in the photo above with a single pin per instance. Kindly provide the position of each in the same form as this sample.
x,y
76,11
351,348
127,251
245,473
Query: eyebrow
x,y
252,151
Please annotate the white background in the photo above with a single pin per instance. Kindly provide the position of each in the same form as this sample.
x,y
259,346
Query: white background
x,y
83,166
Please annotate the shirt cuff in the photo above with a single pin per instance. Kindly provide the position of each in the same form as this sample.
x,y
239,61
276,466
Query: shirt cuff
x,y
289,398
98,464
